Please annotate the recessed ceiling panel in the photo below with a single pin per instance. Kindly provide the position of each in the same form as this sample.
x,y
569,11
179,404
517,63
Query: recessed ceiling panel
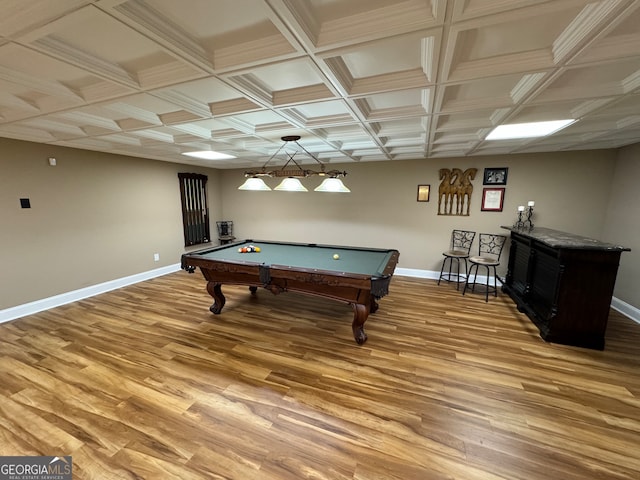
x,y
287,75
107,39
204,18
391,55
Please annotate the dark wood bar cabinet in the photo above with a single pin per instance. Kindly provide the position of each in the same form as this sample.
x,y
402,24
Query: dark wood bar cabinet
x,y
564,283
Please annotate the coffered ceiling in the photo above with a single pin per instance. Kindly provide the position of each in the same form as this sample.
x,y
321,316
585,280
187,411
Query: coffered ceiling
x,y
358,80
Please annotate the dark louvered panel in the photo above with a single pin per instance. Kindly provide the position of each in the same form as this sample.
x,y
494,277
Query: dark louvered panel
x,y
519,267
195,210
543,290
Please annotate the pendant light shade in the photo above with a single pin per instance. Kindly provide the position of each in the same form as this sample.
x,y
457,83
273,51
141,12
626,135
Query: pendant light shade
x,y
254,183
332,185
291,184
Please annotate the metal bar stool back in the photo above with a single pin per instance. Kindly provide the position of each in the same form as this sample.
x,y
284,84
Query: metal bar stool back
x,y
225,231
461,241
489,251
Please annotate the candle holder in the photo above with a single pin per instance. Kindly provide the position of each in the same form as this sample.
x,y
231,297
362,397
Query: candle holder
x,y
528,223
519,223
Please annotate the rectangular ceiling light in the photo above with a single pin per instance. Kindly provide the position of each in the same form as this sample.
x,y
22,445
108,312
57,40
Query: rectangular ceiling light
x,y
209,155
527,130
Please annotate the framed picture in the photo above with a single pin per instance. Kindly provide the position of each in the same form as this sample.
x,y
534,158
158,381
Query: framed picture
x,y
423,193
492,199
495,176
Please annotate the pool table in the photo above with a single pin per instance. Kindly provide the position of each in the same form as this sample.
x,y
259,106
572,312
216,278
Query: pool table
x,y
358,276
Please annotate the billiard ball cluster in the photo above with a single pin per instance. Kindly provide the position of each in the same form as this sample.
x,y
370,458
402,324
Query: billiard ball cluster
x,y
249,249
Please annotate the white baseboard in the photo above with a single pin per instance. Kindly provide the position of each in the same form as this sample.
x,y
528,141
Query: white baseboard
x,y
413,272
433,275
625,309
46,303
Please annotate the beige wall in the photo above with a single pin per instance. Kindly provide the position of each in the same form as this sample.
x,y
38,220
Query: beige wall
x,y
622,223
97,217
571,192
93,218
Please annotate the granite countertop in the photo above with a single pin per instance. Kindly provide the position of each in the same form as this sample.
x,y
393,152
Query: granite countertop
x,y
558,239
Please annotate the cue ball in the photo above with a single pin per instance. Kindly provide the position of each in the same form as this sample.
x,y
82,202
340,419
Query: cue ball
x,y
336,256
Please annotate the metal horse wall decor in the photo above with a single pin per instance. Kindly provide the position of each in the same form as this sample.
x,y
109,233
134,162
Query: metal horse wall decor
x,y
455,191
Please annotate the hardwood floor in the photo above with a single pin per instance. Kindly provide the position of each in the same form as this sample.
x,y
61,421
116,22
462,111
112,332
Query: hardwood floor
x,y
144,383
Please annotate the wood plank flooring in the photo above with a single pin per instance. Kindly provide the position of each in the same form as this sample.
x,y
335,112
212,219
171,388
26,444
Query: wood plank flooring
x,y
145,383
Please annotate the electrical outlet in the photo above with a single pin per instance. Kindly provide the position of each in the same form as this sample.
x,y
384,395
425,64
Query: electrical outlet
x,y
156,257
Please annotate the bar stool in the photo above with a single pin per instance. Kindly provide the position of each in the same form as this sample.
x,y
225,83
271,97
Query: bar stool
x,y
489,251
461,241
225,232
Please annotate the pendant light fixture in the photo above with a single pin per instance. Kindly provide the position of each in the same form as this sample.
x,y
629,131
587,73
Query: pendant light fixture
x,y
291,181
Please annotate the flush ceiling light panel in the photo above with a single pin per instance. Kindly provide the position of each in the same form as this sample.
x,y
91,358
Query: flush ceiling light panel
x,y
209,155
528,130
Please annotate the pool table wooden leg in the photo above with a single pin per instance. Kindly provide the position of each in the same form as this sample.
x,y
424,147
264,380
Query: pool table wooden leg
x,y
360,314
215,290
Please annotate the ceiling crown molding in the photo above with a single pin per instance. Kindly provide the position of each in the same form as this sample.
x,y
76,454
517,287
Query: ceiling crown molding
x,y
631,83
187,103
74,56
589,106
526,85
249,53
142,17
134,112
43,86
629,121
195,131
168,74
531,61
155,136
254,88
235,105
411,16
591,19
389,82
84,118
309,93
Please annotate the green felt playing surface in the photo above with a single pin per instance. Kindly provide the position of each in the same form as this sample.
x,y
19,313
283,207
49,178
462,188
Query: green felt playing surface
x,y
352,260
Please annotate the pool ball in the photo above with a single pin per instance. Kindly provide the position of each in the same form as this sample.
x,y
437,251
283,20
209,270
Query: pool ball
x,y
336,256
257,249
244,249
240,250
